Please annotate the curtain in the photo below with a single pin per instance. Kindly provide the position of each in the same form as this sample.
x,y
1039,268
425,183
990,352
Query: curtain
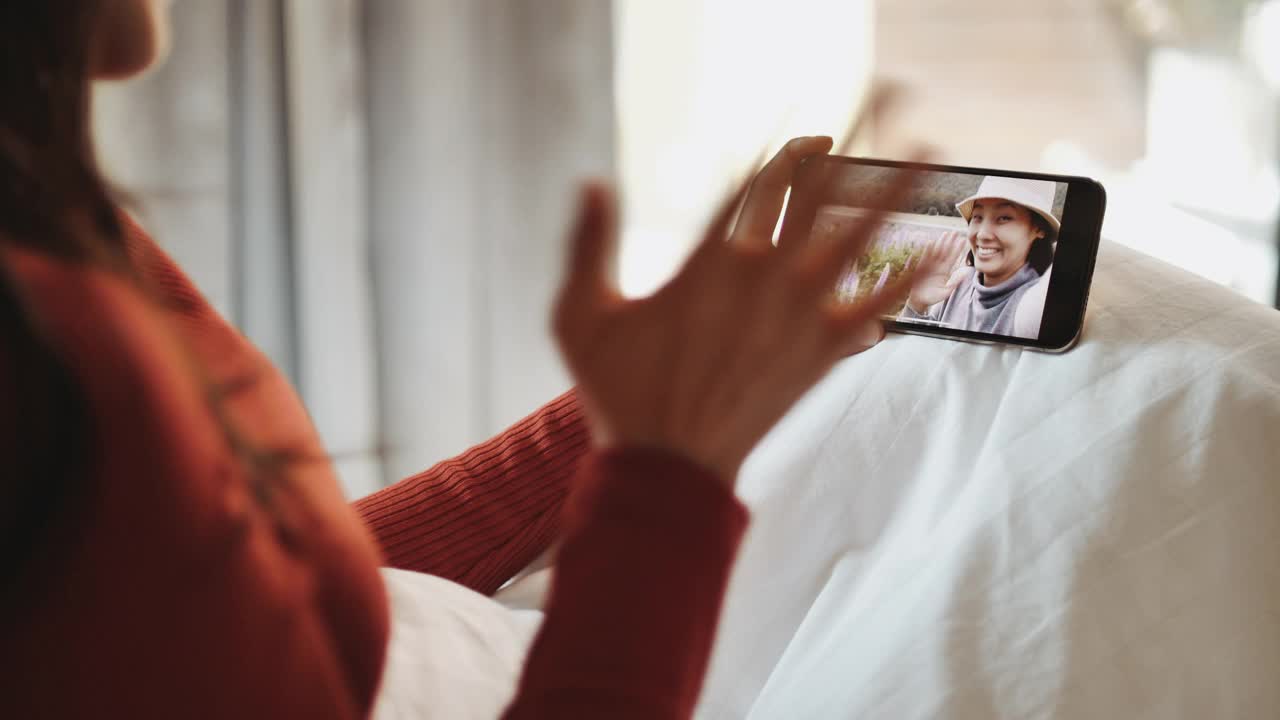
x,y
376,193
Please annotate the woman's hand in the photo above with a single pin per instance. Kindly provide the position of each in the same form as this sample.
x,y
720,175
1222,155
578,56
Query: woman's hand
x,y
940,271
707,365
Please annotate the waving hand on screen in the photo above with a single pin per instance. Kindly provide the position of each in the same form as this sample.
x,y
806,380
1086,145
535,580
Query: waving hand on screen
x,y
940,271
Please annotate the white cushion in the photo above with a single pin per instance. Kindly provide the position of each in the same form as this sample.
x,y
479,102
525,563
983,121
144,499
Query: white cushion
x,y
953,530
454,654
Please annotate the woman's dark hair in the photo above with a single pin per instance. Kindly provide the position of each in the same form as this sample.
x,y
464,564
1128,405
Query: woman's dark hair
x,y
45,452
1040,255
54,200
49,187
53,197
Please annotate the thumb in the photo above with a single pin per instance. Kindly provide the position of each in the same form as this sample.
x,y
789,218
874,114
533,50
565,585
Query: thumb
x,y
592,244
591,250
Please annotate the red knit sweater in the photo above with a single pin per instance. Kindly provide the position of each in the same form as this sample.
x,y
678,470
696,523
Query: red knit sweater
x,y
185,595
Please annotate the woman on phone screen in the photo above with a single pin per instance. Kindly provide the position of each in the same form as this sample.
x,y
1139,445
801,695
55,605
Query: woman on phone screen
x,y
1008,251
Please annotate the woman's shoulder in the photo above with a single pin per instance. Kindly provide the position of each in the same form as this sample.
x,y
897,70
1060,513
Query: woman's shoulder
x,y
165,414
80,308
185,520
74,348
119,347
171,286
89,310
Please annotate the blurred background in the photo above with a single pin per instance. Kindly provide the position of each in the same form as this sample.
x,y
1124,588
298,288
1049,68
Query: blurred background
x,y
376,191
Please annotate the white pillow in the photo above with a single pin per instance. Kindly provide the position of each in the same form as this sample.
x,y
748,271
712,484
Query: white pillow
x,y
454,654
952,530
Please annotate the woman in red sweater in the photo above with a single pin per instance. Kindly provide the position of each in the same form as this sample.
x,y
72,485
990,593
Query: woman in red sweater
x,y
172,539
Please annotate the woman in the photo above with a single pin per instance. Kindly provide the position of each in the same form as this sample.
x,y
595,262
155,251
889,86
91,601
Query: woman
x,y
1000,288
172,540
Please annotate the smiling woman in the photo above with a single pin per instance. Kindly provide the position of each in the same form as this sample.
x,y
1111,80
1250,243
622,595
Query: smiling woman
x,y
1009,236
1011,224
1001,237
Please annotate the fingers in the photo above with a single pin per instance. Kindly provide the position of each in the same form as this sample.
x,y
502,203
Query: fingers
x,y
850,319
768,190
929,255
957,243
593,240
592,245
823,262
803,210
942,253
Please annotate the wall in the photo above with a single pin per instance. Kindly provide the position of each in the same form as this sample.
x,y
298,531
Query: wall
x,y
992,82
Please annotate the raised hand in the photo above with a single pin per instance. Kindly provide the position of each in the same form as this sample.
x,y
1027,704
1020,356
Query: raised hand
x,y
940,271
706,365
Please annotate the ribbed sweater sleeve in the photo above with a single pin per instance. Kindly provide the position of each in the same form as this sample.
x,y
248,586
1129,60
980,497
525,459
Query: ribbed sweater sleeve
x,y
648,545
480,517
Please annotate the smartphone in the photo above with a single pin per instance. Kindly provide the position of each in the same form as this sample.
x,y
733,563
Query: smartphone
x,y
1002,256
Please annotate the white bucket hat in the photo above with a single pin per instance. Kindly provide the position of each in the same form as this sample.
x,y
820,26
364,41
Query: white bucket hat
x,y
1034,195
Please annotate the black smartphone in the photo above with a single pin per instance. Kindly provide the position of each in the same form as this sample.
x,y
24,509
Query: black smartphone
x,y
1005,256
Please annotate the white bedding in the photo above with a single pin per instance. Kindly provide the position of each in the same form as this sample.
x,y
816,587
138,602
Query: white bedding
x,y
454,654
961,531
946,530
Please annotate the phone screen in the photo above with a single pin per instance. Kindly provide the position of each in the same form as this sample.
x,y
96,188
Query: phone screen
x,y
984,246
